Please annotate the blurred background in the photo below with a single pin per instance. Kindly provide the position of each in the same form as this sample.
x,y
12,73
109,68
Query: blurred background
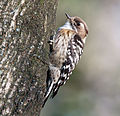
x,y
94,87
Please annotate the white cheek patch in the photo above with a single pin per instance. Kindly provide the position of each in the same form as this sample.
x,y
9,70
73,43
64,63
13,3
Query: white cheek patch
x,y
82,25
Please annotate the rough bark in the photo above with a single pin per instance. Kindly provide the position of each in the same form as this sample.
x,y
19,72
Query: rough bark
x,y
25,26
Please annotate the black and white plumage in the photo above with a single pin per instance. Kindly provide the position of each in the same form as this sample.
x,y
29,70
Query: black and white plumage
x,y
66,48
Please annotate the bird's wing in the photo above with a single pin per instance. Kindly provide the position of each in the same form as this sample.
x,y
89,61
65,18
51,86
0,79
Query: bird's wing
x,y
60,45
58,51
73,54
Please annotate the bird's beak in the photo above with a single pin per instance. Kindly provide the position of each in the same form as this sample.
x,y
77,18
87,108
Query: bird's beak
x,y
68,17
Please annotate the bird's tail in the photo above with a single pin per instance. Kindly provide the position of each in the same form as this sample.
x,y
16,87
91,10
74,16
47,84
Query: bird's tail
x,y
48,92
55,90
52,85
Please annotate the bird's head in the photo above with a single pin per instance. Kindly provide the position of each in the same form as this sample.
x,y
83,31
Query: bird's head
x,y
78,25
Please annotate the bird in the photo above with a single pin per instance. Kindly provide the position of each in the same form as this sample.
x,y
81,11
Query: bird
x,y
66,48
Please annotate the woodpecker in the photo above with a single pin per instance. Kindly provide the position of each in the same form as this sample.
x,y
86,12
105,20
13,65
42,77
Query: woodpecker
x,y
66,48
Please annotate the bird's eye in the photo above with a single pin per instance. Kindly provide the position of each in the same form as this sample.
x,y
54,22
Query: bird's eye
x,y
78,23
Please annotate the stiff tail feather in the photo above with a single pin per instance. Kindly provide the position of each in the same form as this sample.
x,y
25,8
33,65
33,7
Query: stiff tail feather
x,y
47,94
55,91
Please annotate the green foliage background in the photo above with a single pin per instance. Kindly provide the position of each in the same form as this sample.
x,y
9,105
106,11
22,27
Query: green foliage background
x,y
94,87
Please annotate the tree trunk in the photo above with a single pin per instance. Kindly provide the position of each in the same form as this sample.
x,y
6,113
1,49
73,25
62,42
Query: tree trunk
x,y
25,27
